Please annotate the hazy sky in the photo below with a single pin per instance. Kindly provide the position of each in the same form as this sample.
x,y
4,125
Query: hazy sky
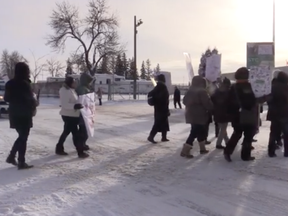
x,y
170,28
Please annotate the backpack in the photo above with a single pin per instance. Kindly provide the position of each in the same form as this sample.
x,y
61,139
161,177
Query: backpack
x,y
150,99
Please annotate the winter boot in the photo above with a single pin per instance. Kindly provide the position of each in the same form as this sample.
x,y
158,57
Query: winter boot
x,y
164,137
11,160
203,148
86,147
22,166
206,142
83,155
151,139
227,157
60,151
185,152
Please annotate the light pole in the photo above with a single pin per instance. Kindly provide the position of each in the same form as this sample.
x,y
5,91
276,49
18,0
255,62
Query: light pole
x,y
136,25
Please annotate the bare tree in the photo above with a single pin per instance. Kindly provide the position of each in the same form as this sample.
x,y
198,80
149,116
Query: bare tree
x,y
38,67
55,68
99,28
8,62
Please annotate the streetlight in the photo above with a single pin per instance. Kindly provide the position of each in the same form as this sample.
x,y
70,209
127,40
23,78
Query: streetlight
x,y
136,25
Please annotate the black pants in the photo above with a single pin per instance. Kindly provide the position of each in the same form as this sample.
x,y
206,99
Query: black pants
x,y
216,129
83,133
100,102
197,131
70,126
239,129
20,144
276,128
177,102
207,129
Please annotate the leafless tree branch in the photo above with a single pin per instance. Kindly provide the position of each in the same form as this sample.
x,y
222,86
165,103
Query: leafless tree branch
x,y
99,28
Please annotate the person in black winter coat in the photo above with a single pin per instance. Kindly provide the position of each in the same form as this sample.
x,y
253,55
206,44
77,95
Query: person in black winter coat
x,y
219,99
278,113
243,108
22,106
177,98
160,97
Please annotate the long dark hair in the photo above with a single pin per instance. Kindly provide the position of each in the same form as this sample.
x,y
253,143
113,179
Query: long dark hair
x,y
22,71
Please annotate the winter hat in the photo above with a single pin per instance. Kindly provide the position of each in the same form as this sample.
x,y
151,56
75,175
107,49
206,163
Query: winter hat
x,y
161,78
69,81
242,74
282,77
226,82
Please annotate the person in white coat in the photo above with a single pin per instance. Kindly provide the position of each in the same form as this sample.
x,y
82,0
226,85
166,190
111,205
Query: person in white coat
x,y
70,113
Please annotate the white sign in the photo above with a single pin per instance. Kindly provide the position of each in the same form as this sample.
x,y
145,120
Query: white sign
x,y
153,81
88,112
189,66
213,67
260,79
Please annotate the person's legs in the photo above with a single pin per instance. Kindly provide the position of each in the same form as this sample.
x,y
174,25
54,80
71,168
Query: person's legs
x,y
216,129
83,136
66,131
275,130
232,143
201,138
179,103
175,104
222,135
185,152
247,142
285,137
153,133
23,134
207,133
100,102
77,138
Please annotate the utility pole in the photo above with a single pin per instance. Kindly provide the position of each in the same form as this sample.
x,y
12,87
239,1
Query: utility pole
x,y
136,25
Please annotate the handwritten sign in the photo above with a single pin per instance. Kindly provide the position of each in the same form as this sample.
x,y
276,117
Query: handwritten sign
x,y
88,112
260,78
265,49
213,67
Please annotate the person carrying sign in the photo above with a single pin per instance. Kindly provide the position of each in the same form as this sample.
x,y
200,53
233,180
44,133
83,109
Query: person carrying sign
x,y
82,89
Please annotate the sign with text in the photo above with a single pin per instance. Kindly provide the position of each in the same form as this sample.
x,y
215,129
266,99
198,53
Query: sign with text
x,y
213,67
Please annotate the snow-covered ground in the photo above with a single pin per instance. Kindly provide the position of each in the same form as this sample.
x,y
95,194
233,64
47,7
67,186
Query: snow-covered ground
x,y
126,176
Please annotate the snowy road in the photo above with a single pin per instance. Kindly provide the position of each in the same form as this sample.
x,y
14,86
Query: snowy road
x,y
126,176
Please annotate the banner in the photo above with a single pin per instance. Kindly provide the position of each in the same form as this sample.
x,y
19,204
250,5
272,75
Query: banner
x,y
189,66
88,112
260,61
213,67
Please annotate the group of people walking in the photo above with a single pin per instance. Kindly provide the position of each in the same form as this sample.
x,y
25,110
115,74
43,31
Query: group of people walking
x,y
22,108
229,103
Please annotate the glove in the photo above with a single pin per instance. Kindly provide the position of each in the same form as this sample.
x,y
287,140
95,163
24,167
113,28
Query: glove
x,y
78,106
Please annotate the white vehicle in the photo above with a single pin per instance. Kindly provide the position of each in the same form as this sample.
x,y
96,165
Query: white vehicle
x,y
119,84
3,105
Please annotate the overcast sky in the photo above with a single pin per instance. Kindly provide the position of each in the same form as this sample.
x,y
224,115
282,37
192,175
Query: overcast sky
x,y
170,28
